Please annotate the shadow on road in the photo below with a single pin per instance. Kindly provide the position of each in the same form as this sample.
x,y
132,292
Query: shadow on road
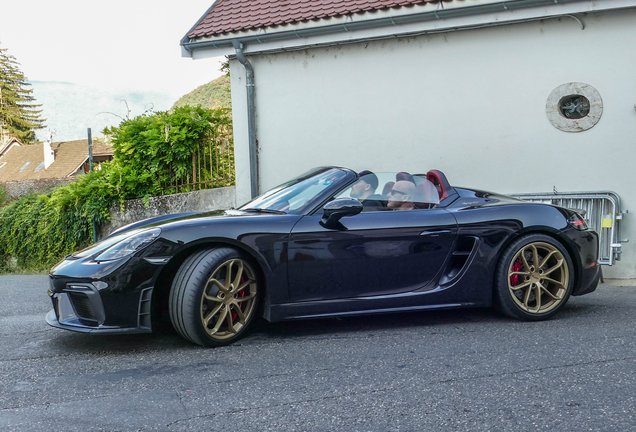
x,y
166,339
379,322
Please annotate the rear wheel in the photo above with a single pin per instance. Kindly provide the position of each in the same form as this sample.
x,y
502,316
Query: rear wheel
x,y
213,297
534,278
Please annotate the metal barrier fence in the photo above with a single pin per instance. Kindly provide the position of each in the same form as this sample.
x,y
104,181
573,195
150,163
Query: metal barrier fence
x,y
601,211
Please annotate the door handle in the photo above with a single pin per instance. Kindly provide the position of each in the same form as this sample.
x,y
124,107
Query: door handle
x,y
435,232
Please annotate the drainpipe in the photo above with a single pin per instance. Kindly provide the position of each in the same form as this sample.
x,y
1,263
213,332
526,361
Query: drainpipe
x,y
251,120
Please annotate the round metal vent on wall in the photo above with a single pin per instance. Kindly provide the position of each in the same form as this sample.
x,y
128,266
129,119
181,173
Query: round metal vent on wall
x,y
574,107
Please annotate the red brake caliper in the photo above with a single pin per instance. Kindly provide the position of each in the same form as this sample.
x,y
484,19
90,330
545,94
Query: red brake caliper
x,y
240,294
514,279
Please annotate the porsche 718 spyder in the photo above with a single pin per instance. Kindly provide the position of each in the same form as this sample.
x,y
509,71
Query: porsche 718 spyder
x,y
329,243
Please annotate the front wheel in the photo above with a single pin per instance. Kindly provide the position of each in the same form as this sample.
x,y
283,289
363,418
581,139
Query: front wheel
x,y
534,278
214,297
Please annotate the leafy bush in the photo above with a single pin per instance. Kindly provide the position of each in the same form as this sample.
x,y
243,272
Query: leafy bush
x,y
150,151
37,233
4,196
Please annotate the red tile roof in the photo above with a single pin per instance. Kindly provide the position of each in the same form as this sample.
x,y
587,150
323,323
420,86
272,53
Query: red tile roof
x,y
233,15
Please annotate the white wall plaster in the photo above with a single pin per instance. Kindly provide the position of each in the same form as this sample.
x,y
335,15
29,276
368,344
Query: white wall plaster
x,y
470,103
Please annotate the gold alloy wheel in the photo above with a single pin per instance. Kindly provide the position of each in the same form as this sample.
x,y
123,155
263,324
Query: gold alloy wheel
x,y
538,278
229,299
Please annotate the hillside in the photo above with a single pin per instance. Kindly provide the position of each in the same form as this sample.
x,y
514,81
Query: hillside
x,y
215,94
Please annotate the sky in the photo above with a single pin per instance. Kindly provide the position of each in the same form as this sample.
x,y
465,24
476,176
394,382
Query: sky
x,y
78,51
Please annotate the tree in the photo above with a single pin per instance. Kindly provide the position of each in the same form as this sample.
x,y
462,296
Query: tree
x,y
19,114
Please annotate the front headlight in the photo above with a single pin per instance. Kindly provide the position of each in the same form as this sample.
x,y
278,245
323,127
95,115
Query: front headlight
x,y
129,245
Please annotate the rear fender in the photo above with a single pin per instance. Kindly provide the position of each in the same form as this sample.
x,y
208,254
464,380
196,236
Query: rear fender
x,y
556,235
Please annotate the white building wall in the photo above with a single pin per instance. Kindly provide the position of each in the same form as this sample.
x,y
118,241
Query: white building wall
x,y
470,103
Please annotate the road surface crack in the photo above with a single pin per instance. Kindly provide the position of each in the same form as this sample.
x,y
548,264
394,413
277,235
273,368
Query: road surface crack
x,y
185,410
536,369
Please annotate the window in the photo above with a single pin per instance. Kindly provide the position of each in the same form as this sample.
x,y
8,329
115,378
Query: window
x,y
39,167
574,107
24,166
2,164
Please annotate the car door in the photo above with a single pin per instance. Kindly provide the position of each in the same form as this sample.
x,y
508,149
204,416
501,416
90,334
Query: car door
x,y
374,253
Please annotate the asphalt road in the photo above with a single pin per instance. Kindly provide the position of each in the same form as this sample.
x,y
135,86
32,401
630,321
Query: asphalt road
x,y
434,371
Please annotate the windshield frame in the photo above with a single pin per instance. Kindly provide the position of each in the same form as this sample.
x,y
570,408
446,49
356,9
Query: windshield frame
x,y
343,177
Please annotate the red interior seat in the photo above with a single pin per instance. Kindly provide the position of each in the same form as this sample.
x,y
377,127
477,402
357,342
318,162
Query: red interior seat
x,y
428,195
440,182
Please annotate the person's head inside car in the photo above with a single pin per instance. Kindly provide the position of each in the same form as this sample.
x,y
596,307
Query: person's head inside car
x,y
402,195
365,186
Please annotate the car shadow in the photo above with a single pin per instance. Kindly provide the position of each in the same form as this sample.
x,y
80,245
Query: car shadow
x,y
166,338
574,312
373,323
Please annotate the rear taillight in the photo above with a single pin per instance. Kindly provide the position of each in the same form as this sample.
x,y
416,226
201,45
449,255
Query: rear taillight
x,y
577,222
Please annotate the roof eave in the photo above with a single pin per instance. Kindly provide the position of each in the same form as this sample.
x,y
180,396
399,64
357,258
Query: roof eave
x,y
185,38
76,169
223,45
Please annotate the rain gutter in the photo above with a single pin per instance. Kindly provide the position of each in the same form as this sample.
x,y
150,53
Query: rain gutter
x,y
251,118
189,45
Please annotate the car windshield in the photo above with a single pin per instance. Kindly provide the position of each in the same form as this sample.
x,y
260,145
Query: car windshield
x,y
291,196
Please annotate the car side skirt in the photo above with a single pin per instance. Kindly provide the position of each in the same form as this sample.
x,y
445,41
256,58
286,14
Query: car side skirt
x,y
282,314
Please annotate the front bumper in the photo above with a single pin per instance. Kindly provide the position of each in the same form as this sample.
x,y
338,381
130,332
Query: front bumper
x,y
52,320
79,308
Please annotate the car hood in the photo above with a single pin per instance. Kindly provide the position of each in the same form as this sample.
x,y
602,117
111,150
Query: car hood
x,y
178,217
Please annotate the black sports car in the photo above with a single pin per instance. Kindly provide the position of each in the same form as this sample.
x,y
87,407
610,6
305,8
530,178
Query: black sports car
x,y
331,242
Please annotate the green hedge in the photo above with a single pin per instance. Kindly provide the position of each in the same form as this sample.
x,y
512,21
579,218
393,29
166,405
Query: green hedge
x,y
37,231
4,196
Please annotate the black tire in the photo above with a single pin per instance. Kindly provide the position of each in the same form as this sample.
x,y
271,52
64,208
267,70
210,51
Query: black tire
x,y
206,305
531,292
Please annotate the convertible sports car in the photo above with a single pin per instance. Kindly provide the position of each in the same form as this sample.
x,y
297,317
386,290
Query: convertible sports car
x,y
330,242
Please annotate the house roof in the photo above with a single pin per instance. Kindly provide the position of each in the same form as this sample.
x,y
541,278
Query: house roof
x,y
21,162
233,15
261,26
6,145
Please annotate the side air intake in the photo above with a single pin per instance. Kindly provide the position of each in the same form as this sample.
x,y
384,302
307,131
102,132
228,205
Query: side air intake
x,y
464,249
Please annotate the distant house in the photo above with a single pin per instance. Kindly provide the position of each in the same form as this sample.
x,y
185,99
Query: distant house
x,y
27,168
7,144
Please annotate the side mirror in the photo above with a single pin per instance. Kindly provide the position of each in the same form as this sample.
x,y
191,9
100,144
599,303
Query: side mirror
x,y
336,210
